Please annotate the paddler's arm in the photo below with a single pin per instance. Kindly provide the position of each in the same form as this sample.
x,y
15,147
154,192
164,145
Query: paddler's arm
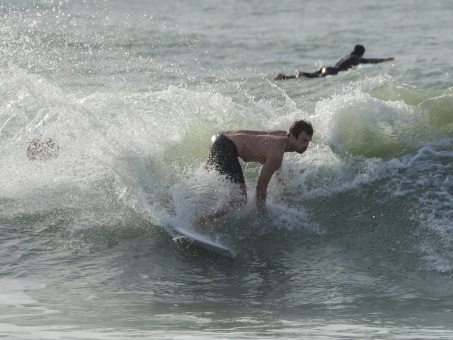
x,y
375,60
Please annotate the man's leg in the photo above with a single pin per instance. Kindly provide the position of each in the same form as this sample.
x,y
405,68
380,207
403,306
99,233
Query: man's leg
x,y
224,159
300,74
237,200
328,71
281,76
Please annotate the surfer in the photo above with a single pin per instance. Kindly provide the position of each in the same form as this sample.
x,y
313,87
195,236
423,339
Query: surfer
x,y
264,147
353,59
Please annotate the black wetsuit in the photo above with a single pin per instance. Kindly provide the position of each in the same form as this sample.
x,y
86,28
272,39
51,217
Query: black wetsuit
x,y
224,158
344,64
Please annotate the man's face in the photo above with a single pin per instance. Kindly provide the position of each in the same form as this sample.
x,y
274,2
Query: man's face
x,y
302,142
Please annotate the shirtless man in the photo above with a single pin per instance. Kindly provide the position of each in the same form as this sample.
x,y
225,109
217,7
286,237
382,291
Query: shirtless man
x,y
264,147
353,59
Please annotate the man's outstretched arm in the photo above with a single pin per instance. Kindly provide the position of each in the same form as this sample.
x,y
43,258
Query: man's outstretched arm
x,y
271,165
375,60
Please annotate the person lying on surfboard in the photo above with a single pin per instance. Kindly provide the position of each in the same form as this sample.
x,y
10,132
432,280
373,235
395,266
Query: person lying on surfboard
x,y
353,59
264,147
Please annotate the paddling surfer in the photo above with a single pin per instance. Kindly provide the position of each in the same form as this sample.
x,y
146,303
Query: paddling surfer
x,y
353,59
264,147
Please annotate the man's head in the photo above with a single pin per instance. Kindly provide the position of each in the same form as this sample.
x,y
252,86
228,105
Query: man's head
x,y
358,50
300,125
300,134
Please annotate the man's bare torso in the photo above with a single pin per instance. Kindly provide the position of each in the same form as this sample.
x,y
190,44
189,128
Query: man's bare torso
x,y
256,146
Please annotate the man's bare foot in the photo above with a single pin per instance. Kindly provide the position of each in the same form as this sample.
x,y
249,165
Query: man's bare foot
x,y
279,76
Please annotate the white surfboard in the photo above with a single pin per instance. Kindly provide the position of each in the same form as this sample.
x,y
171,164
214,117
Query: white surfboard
x,y
202,241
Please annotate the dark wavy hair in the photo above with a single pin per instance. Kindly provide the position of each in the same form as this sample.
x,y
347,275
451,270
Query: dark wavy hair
x,y
358,50
300,125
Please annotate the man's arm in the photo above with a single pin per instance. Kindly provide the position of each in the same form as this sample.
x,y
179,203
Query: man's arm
x,y
374,60
271,165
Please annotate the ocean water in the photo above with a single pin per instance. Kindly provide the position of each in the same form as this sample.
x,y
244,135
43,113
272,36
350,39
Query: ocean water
x,y
359,245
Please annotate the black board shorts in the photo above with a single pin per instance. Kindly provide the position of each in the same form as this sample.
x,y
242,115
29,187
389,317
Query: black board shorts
x,y
225,159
